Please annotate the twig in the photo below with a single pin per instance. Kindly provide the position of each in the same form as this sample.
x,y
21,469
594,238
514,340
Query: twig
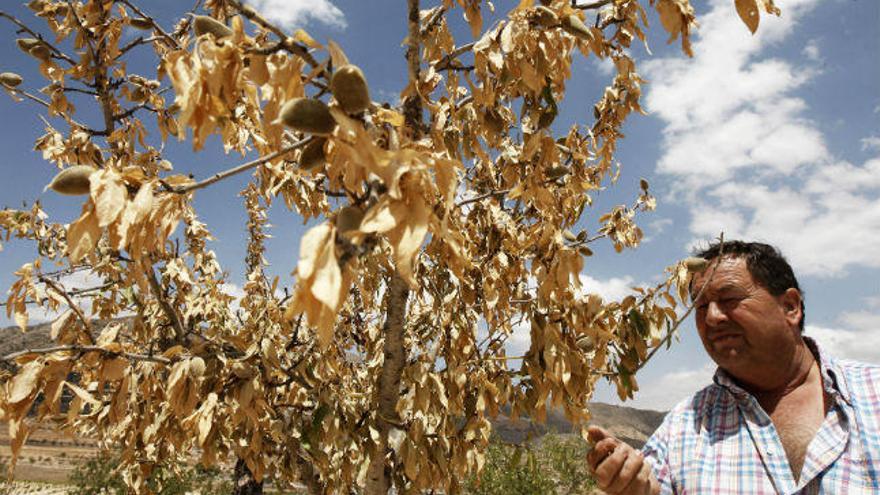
x,y
687,313
164,304
445,61
58,53
85,348
63,293
481,197
594,5
241,168
132,110
432,20
156,26
290,45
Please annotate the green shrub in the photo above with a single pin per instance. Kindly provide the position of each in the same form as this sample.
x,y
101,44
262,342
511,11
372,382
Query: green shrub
x,y
556,465
98,476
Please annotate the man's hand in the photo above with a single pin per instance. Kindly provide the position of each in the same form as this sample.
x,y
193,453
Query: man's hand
x,y
618,468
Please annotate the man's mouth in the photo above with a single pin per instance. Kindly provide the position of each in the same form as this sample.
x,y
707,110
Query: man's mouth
x,y
721,338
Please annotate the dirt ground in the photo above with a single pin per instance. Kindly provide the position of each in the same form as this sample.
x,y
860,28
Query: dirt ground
x,y
46,457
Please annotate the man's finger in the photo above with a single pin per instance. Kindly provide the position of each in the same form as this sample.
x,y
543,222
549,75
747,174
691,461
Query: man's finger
x,y
608,469
600,451
641,482
595,433
627,473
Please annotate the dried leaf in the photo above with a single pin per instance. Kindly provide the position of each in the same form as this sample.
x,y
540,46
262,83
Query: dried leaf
x,y
748,12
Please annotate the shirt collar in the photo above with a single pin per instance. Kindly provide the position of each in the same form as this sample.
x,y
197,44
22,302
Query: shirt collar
x,y
833,381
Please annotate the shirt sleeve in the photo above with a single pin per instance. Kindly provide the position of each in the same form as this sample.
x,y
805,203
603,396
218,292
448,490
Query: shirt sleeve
x,y
656,453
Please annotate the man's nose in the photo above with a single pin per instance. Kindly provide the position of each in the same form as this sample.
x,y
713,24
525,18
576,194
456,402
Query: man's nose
x,y
714,314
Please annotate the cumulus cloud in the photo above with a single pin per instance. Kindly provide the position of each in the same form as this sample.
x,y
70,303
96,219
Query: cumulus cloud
x,y
73,282
299,13
662,392
746,159
811,51
871,143
860,343
612,289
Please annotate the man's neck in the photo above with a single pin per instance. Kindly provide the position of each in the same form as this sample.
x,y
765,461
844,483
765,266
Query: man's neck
x,y
799,371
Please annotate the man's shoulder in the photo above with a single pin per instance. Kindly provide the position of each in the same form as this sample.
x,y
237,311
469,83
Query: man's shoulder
x,y
699,403
861,380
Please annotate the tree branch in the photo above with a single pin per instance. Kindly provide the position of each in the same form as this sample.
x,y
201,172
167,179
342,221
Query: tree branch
x,y
72,305
171,41
58,53
481,197
593,5
445,62
288,43
86,348
169,310
241,168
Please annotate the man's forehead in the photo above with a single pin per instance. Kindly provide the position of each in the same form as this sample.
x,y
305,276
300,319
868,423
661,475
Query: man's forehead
x,y
730,274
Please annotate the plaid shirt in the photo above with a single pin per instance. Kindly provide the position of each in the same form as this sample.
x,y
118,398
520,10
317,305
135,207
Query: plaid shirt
x,y
720,440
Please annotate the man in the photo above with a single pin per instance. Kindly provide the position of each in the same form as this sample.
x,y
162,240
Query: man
x,y
781,416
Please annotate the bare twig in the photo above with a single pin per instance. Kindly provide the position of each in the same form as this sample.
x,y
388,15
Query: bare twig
x,y
58,53
169,310
289,44
167,37
432,20
447,60
593,5
481,197
687,313
85,348
241,168
63,293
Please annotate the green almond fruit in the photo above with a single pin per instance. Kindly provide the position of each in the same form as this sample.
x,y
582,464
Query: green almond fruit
x,y
349,218
141,23
546,16
573,25
585,343
25,44
72,180
312,155
40,52
569,236
556,172
206,24
349,87
308,115
694,264
10,79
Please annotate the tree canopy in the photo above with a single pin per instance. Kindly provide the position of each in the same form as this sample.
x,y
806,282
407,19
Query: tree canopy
x,y
443,225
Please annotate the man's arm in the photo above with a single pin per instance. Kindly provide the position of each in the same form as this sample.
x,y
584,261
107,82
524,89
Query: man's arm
x,y
619,469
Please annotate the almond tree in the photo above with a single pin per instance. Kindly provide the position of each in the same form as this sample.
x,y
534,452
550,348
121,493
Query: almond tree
x,y
444,226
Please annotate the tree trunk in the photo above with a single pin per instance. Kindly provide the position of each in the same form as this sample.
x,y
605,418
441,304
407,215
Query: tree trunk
x,y
388,390
389,382
245,484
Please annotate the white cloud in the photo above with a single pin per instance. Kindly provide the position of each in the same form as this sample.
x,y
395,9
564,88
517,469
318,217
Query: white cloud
x,y
862,344
612,289
871,143
298,13
811,51
745,158
663,392
76,281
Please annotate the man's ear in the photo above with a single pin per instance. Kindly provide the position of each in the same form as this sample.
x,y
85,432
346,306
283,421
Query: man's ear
x,y
791,304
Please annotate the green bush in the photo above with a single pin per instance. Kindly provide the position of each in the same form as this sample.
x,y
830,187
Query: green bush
x,y
98,476
555,465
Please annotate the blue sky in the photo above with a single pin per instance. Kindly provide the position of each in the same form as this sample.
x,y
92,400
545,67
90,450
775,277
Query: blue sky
x,y
773,137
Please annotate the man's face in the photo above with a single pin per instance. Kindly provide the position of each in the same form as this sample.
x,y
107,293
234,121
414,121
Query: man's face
x,y
744,328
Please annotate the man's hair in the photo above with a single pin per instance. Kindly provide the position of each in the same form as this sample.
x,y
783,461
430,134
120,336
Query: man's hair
x,y
765,264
